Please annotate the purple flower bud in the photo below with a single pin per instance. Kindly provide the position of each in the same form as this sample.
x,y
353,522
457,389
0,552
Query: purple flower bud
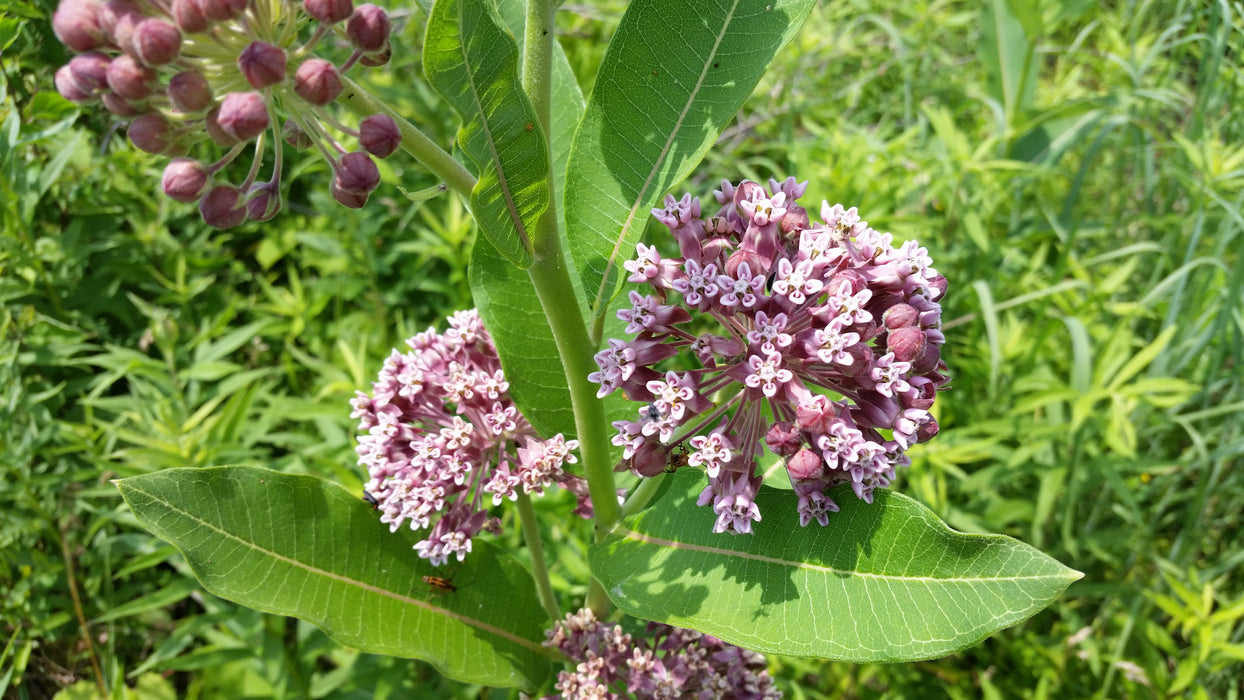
x,y
156,42
379,135
928,359
222,10
354,200
368,28
794,220
221,207
262,64
189,16
329,11
215,130
130,79
806,465
294,135
783,439
377,58
907,343
90,72
928,431
111,13
900,315
150,133
119,105
68,87
184,179
243,115
189,92
317,81
76,24
124,27
357,172
263,202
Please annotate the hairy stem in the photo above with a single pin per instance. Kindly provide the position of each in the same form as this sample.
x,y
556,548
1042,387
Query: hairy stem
x,y
539,568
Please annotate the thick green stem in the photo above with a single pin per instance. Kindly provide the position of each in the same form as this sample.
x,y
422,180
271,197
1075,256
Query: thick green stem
x,y
539,568
538,59
423,149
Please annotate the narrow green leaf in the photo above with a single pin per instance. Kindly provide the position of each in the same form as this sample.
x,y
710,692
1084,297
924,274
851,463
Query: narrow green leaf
x,y
301,546
883,582
675,74
1006,54
472,60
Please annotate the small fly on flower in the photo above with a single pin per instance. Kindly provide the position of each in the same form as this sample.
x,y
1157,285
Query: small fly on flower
x,y
651,412
371,500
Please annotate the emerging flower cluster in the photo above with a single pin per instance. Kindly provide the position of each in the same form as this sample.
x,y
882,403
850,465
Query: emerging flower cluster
x,y
186,72
782,314
440,432
677,663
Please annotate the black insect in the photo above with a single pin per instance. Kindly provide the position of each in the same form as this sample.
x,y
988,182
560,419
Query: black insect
x,y
371,499
651,412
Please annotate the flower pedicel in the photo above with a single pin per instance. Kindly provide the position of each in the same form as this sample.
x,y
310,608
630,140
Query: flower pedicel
x,y
783,315
233,72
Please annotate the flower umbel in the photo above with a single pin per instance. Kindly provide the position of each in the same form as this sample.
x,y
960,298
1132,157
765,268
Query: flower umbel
x,y
818,340
439,437
235,72
670,663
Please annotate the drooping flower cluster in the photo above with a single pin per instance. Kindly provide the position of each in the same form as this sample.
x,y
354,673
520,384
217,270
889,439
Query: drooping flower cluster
x,y
232,72
439,436
819,340
674,663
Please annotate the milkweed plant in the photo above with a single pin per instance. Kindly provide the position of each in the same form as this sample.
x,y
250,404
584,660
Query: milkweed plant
x,y
728,383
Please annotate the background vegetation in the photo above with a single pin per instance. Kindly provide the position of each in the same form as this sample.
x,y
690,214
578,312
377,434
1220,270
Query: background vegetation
x,y
1076,171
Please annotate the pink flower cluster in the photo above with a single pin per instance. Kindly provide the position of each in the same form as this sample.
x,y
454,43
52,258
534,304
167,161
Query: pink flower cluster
x,y
676,663
191,72
439,436
819,340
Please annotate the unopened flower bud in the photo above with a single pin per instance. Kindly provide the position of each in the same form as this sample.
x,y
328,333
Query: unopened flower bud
x,y
222,207
90,72
68,87
263,202
294,135
262,64
368,28
861,362
379,135
111,13
928,430
76,24
816,416
243,115
215,130
189,91
151,133
900,315
907,343
156,42
377,58
184,179
119,105
317,81
125,26
222,10
329,11
806,465
354,200
938,284
783,439
130,79
189,16
357,172
794,220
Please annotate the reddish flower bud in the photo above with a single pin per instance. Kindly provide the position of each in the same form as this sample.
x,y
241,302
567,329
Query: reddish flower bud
x,y
783,439
294,135
119,105
263,202
130,79
377,58
222,207
317,81
928,431
262,64
329,11
929,358
806,465
243,115
816,415
222,10
189,16
90,72
184,179
76,24
156,42
354,200
907,343
215,130
111,13
357,172
68,87
151,133
900,315
124,29
794,220
368,28
379,135
189,92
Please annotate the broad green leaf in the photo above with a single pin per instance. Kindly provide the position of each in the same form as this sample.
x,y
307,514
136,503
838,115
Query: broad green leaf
x,y
675,74
472,60
882,582
298,545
